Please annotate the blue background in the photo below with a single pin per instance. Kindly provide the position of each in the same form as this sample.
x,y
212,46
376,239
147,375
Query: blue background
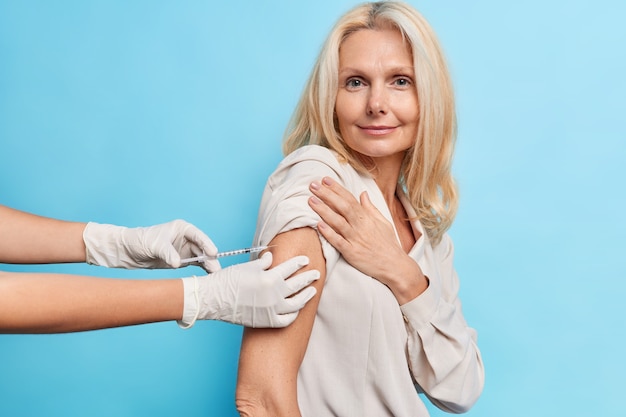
x,y
136,113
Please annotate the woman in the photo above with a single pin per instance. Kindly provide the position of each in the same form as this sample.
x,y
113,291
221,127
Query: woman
x,y
376,117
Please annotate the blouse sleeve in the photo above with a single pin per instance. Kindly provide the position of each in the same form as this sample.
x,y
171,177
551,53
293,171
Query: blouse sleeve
x,y
284,205
442,350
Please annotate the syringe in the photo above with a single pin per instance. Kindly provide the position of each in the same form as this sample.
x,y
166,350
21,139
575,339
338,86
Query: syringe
x,y
201,258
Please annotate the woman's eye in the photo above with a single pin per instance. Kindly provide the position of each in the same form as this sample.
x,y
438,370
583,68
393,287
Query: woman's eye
x,y
354,83
403,82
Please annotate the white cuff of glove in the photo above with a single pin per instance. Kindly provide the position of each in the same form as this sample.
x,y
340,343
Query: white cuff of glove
x,y
191,309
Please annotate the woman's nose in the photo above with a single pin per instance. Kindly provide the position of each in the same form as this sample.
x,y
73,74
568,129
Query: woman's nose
x,y
377,101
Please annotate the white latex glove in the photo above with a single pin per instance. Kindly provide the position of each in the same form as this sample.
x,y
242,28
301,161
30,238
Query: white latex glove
x,y
153,247
250,294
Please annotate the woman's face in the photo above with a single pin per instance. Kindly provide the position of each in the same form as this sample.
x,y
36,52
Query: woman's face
x,y
376,107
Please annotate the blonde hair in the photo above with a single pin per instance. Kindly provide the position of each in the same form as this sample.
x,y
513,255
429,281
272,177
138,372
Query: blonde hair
x,y
426,174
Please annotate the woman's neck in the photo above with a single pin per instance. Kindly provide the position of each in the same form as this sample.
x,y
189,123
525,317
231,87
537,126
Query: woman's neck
x,y
386,175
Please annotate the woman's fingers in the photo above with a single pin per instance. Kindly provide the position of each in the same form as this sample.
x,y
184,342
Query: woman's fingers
x,y
332,203
328,215
334,195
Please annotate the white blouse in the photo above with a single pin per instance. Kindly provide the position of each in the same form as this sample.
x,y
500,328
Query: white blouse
x,y
367,355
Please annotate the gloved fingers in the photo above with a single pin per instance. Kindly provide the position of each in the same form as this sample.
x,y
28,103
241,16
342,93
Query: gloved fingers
x,y
181,240
290,266
282,320
169,255
294,304
201,240
211,265
265,261
155,245
300,281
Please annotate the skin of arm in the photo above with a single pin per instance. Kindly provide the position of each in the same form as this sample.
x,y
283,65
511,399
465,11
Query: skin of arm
x,y
57,303
30,239
270,358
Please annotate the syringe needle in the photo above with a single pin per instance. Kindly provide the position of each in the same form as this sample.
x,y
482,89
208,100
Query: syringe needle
x,y
201,258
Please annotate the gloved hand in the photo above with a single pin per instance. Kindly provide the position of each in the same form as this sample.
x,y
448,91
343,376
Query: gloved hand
x,y
249,293
153,247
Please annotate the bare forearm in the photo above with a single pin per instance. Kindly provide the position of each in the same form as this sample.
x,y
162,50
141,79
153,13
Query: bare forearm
x,y
57,303
270,358
27,238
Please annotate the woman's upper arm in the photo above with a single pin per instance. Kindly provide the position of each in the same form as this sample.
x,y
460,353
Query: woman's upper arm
x,y
270,358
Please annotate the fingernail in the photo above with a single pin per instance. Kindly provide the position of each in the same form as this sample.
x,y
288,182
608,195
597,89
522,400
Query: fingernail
x,y
327,181
315,185
315,200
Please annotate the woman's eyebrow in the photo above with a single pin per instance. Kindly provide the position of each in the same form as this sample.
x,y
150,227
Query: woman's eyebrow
x,y
400,69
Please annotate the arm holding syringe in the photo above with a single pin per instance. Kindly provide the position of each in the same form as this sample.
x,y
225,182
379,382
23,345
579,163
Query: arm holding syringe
x,y
55,303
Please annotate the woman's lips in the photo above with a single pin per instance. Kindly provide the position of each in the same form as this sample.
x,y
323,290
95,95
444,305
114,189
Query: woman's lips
x,y
377,130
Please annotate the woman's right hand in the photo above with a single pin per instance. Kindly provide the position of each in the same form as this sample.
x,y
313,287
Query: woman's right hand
x,y
365,238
